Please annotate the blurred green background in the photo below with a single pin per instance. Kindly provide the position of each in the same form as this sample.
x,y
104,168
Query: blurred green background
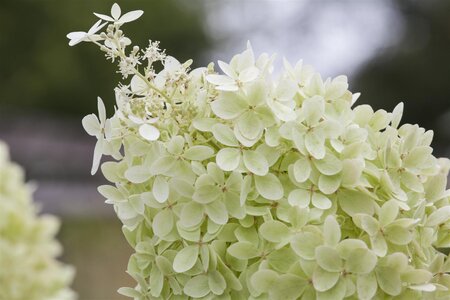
x,y
391,50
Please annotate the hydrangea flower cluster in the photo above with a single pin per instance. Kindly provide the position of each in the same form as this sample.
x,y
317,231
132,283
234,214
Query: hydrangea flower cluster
x,y
28,269
252,185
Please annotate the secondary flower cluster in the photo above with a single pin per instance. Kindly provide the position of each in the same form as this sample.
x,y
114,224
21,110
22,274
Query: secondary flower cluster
x,y
28,269
251,185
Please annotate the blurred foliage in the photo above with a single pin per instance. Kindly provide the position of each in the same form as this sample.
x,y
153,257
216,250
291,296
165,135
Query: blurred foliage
x,y
416,70
39,71
99,252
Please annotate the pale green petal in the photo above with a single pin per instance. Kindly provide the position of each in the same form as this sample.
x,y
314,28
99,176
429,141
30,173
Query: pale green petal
x,y
439,216
417,157
138,174
282,259
163,223
162,165
160,189
361,261
288,287
351,171
228,159
224,135
198,153
245,189
191,214
389,280
366,286
175,145
269,186
345,247
217,212
417,276
314,143
185,259
216,173
300,198
388,212
204,124
305,243
329,184
249,125
216,282
324,280
164,264
321,201
197,286
274,231
255,162
207,194
331,231
378,244
243,250
302,169
129,292
263,280
338,292
353,202
329,165
233,205
182,187
328,259
313,109
412,182
156,282
398,235
368,223
228,106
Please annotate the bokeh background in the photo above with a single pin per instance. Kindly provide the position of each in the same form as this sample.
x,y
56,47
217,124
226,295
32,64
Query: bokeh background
x,y
392,51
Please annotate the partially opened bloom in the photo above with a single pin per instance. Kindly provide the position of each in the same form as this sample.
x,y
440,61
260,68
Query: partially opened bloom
x,y
247,185
77,37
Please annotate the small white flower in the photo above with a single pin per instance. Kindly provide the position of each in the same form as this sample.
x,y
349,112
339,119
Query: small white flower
x,y
241,70
118,18
146,130
81,36
95,126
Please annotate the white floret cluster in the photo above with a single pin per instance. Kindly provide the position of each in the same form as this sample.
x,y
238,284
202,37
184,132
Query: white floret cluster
x,y
28,268
253,185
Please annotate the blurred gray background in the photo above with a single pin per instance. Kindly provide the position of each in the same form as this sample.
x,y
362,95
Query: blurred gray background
x,y
392,51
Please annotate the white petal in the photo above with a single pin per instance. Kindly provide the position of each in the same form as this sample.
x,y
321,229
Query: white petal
x,y
149,132
220,79
227,69
76,37
91,125
249,74
130,16
228,159
115,11
138,85
101,110
96,27
228,87
98,152
104,17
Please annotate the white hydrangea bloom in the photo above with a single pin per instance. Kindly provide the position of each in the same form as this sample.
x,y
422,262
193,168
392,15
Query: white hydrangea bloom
x,y
251,186
28,268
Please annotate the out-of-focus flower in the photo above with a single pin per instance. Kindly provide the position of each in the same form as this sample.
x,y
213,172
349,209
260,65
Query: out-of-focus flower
x,y
28,268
